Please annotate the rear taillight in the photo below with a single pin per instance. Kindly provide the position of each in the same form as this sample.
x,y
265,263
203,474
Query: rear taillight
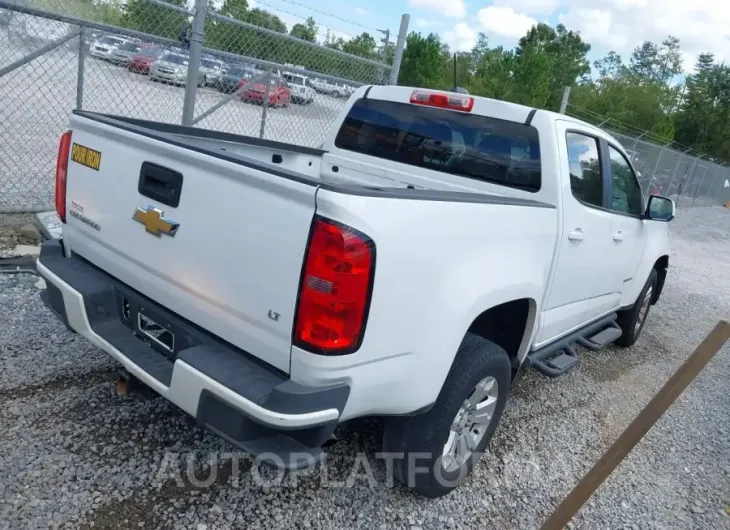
x,y
334,296
442,100
64,148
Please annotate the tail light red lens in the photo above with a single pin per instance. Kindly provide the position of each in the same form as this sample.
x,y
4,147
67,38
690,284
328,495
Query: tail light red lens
x,y
336,284
64,149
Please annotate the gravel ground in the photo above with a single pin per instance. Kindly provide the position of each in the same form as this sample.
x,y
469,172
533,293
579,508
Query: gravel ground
x,y
75,454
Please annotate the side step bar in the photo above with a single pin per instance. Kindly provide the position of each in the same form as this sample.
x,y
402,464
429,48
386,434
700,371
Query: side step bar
x,y
557,358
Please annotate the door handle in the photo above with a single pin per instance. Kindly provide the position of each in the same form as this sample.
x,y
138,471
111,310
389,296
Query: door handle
x,y
576,235
618,236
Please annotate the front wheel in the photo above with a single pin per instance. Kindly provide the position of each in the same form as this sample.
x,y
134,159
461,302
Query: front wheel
x,y
632,320
436,451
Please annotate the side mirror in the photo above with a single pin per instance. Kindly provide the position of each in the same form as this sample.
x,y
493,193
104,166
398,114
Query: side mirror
x,y
660,208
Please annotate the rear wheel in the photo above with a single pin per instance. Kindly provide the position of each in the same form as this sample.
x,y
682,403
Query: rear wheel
x,y
440,447
632,320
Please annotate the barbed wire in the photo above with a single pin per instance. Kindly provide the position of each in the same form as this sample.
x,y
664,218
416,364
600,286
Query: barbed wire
x,y
616,124
342,19
635,133
304,19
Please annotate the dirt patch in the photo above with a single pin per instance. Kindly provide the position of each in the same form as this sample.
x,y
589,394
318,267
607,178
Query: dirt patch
x,y
12,230
133,512
150,510
58,384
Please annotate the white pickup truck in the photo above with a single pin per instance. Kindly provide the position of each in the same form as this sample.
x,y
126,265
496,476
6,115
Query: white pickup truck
x,y
434,246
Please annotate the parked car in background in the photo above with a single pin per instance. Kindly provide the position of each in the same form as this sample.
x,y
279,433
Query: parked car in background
x,y
302,91
171,68
141,62
319,85
123,53
105,46
337,90
234,78
279,91
212,70
343,90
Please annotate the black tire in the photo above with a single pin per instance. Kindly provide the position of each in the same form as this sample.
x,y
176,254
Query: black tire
x,y
629,318
476,359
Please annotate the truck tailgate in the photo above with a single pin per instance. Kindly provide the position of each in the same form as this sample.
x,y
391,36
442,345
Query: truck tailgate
x,y
227,257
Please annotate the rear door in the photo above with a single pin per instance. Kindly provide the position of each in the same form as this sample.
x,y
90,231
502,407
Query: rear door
x,y
584,238
628,232
233,262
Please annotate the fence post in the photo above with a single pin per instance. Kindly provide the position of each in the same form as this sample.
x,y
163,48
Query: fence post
x,y
566,97
400,45
196,46
80,73
383,75
265,103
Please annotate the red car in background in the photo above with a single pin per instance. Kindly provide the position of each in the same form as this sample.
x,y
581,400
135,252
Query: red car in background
x,y
141,62
279,91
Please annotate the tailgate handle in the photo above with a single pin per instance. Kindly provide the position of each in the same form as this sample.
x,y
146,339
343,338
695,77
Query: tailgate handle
x,y
160,183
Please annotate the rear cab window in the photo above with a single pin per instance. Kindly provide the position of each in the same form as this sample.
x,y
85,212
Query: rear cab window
x,y
468,145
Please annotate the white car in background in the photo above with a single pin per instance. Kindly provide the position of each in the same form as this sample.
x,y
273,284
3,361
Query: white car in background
x,y
302,92
105,46
212,70
336,90
172,68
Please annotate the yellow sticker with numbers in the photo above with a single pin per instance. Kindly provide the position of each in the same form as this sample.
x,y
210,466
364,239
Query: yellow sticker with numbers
x,y
85,156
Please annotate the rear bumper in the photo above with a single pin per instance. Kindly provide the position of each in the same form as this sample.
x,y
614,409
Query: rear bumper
x,y
247,402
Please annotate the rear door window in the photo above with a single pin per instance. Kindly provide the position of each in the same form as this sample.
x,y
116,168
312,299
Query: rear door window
x,y
584,163
468,145
625,190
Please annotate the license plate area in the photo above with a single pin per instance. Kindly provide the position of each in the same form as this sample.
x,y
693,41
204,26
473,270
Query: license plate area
x,y
158,328
155,332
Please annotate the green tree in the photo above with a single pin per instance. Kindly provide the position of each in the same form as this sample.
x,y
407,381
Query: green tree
x,y
533,77
235,9
307,31
703,117
658,64
610,66
362,45
494,74
423,62
560,50
336,44
264,19
154,19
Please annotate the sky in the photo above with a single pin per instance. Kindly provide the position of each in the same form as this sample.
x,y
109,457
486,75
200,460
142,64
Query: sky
x,y
619,25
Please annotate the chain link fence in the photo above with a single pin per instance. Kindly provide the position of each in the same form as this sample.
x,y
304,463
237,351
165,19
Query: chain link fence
x,y
232,70
667,169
